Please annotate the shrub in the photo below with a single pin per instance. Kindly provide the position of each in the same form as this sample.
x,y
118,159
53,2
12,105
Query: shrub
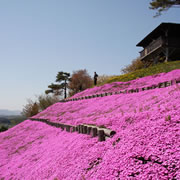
x,y
30,109
45,101
102,79
3,128
42,102
135,65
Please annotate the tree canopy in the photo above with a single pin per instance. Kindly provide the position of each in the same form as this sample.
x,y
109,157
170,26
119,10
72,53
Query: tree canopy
x,y
80,80
62,78
163,5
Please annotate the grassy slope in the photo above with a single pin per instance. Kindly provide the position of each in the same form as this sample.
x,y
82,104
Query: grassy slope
x,y
159,68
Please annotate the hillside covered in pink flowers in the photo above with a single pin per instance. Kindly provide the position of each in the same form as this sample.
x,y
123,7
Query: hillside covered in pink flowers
x,y
146,145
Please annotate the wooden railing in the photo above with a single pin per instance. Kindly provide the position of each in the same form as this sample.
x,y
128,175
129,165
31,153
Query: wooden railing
x,y
154,86
92,130
155,44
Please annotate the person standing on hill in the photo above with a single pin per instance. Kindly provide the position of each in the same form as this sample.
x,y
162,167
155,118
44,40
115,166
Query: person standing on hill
x,y
95,78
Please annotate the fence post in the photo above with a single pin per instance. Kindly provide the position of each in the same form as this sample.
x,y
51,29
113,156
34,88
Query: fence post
x,y
73,128
62,127
89,130
177,81
159,85
68,128
84,129
94,132
101,135
79,129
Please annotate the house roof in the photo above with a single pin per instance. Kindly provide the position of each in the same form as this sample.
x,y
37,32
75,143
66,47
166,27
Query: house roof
x,y
158,31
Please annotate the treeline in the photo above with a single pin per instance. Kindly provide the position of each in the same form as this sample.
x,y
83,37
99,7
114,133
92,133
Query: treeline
x,y
65,85
7,122
3,128
78,81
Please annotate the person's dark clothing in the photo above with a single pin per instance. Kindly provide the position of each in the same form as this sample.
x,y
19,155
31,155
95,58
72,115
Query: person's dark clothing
x,y
80,88
95,78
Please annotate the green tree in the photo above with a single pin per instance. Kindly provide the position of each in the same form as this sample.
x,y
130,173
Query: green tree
x,y
80,80
62,78
163,5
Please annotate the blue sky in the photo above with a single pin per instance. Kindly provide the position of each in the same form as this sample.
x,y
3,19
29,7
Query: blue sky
x,y
40,38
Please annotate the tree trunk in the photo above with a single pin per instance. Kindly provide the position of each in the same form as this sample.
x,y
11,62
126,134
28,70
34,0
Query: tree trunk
x,y
65,95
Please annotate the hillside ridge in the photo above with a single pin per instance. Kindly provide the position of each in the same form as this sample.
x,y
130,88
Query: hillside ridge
x,y
145,146
154,86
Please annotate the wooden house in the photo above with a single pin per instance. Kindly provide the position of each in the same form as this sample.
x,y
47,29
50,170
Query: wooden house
x,y
162,44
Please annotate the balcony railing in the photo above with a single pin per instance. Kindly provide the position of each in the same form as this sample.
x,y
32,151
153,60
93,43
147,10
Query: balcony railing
x,y
155,44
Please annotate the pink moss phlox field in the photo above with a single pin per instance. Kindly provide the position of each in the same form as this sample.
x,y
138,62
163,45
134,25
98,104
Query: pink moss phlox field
x,y
137,83
146,145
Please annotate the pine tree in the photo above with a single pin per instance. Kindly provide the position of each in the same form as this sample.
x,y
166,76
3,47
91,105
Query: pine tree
x,y
163,5
62,78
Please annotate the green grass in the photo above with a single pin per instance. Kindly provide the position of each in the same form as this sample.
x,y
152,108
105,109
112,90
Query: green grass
x,y
152,70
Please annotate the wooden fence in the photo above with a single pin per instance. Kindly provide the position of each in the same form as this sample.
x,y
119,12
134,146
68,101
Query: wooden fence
x,y
92,130
154,86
